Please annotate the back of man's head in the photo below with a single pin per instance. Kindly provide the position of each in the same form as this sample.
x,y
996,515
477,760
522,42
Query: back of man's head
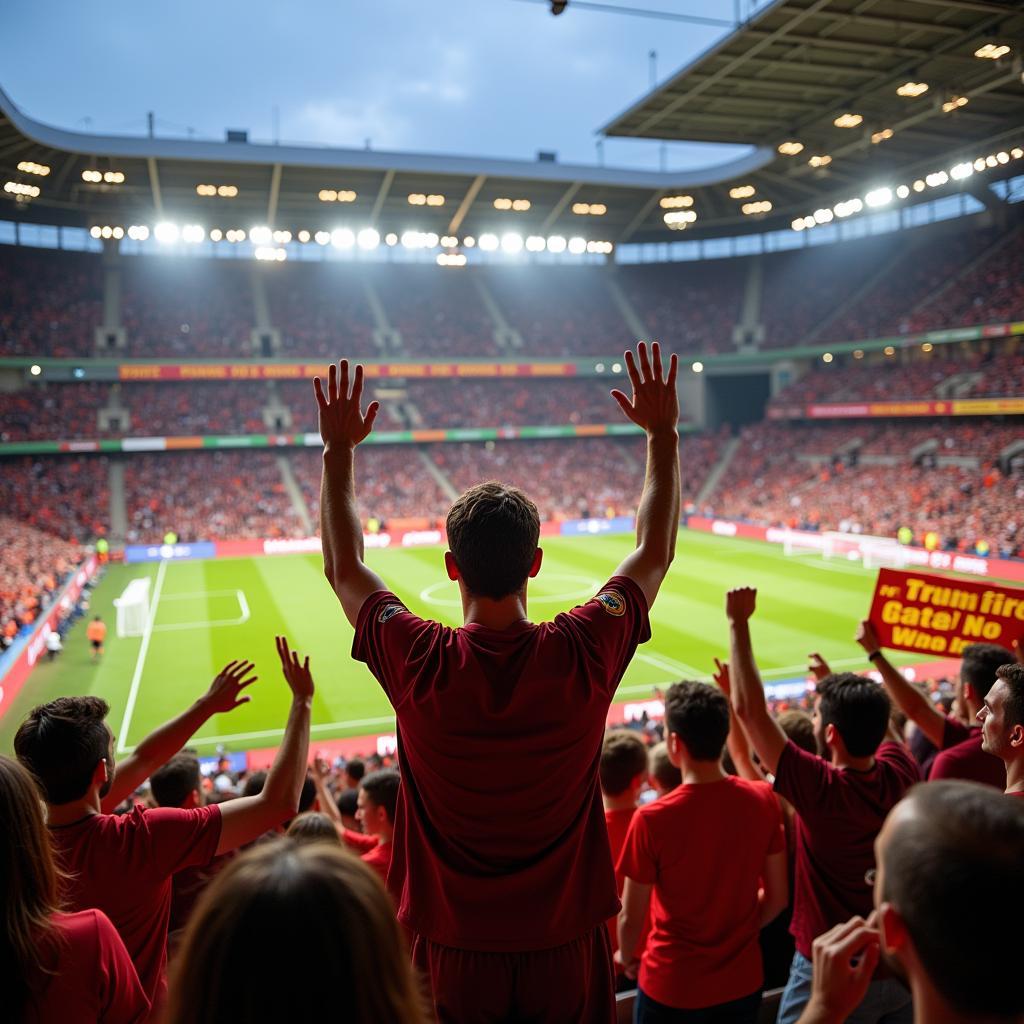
x,y
381,789
355,769
950,867
664,774
173,784
979,664
623,758
798,727
858,708
493,532
307,795
254,784
698,714
62,742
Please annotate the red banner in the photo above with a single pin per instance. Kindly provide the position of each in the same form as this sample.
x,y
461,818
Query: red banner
x,y
307,371
914,611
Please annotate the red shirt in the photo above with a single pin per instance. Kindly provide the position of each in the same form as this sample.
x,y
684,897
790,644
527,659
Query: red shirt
x,y
617,823
839,813
189,884
703,849
500,842
91,977
358,841
379,858
123,863
961,757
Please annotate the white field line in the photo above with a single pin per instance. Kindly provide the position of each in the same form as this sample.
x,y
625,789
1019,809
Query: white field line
x,y
662,661
140,661
243,608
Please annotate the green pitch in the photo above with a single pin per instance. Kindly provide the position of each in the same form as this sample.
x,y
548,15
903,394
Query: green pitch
x,y
208,613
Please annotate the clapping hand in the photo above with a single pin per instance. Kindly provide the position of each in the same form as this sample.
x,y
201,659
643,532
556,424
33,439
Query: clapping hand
x,y
655,403
342,422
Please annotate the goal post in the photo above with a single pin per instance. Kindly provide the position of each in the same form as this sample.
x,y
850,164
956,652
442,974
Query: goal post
x,y
803,542
133,608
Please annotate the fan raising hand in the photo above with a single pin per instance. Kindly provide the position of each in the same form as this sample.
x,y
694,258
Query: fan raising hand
x,y
655,403
341,420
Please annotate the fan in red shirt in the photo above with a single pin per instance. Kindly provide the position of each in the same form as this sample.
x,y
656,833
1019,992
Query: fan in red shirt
x,y
376,802
123,864
840,805
622,772
501,867
709,861
960,754
1002,724
54,967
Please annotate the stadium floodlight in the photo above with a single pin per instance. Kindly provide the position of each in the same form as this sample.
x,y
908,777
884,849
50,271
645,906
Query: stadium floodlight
x,y
902,192
577,246
193,233
435,200
118,232
282,237
616,367
106,231
166,232
512,243
912,89
449,241
260,235
96,231
35,369
430,240
798,224
304,236
21,190
31,167
992,51
368,238
889,350
271,254
521,205
556,244
138,232
216,234
599,367
451,259
417,199
919,185
741,192
954,103
503,203
882,136
489,242
823,216
1003,158
1016,152
469,241
322,237
848,120
676,202
927,347
826,357
761,206
391,238
961,171
936,179
820,160
791,148
343,238
858,353
698,367
879,197
412,239
990,160
113,177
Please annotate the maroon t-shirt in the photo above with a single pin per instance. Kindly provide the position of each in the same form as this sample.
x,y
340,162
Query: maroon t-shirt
x,y
961,757
122,864
500,841
839,813
379,858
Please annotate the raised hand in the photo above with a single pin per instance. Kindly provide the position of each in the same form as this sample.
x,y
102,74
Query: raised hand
x,y
722,678
296,673
818,666
740,603
655,404
321,769
225,692
867,637
342,421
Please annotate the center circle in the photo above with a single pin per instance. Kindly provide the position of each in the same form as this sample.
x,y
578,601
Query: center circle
x,y
587,588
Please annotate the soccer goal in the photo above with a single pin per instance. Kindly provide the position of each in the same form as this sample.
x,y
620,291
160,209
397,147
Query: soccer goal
x,y
803,542
880,553
133,608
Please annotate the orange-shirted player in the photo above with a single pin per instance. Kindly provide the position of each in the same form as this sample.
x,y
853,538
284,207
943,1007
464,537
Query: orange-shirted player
x,y
96,633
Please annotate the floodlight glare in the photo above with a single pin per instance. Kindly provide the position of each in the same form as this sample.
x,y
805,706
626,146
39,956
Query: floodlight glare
x,y
512,243
368,238
343,238
260,236
488,242
556,244
166,232
577,245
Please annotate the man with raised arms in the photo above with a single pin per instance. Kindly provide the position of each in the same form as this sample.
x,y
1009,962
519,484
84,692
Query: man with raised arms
x,y
501,866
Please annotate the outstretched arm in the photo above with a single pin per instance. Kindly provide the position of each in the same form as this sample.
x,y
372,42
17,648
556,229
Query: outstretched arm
x,y
747,691
224,694
736,742
248,817
907,697
655,407
328,805
342,427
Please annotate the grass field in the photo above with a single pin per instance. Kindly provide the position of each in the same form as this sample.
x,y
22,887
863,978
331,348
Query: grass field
x,y
207,613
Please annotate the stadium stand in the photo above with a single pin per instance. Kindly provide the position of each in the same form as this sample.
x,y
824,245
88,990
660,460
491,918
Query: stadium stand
x,y
68,498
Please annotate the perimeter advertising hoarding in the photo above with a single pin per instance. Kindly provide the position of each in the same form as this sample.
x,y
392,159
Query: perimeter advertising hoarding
x,y
872,410
307,371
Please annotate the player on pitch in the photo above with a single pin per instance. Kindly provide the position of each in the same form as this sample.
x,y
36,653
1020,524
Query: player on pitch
x,y
501,867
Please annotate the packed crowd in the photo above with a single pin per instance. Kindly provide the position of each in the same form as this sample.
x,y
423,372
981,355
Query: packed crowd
x,y
68,497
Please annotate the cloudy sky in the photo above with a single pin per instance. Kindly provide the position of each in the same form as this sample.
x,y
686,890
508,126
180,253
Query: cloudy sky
x,y
476,77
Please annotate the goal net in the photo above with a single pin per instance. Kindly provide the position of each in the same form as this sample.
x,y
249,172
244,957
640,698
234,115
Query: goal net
x,y
802,542
886,555
133,608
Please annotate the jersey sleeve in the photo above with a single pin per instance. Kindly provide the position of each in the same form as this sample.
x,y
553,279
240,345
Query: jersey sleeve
x,y
358,842
804,779
181,838
637,860
122,1000
388,640
609,627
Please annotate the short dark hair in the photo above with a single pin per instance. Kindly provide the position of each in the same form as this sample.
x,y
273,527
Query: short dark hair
x,y
698,714
979,665
62,742
798,726
382,789
859,709
348,803
307,796
493,532
313,827
961,834
623,758
254,783
1013,676
663,771
355,768
171,783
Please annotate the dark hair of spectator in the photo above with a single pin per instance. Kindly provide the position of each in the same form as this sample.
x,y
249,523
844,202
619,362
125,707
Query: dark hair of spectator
x,y
341,938
348,803
623,758
313,827
799,727
307,796
254,784
62,742
29,884
858,708
493,532
959,838
172,783
381,788
698,714
1013,676
979,665
662,770
355,769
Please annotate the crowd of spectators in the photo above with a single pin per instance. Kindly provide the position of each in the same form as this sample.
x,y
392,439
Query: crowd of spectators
x,y
1001,376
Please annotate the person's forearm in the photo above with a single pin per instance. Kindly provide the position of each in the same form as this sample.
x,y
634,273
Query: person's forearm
x,y
328,805
657,518
747,690
629,930
909,699
738,745
341,532
284,782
